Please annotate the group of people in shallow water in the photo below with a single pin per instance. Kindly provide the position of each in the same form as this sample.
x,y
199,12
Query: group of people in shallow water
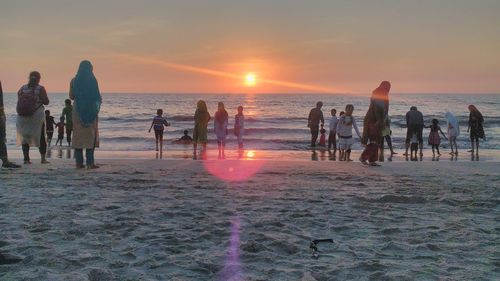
x,y
376,130
35,126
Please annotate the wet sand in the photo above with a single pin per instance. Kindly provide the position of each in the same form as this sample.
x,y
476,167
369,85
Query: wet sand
x,y
250,220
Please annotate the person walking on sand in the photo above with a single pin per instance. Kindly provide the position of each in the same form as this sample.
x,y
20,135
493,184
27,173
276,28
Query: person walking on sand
x,y
220,129
3,147
315,117
475,128
374,122
453,131
30,124
200,132
68,117
84,90
239,126
414,124
159,123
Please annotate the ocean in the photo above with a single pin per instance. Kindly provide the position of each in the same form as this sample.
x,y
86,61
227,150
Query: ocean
x,y
274,122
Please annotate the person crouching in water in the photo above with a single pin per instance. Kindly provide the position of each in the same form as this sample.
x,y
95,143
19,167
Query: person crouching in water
x,y
344,130
239,126
159,123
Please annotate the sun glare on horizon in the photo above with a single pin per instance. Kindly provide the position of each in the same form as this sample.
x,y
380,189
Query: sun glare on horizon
x,y
250,79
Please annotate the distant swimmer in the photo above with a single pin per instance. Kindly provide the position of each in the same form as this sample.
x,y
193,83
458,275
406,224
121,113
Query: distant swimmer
x,y
185,139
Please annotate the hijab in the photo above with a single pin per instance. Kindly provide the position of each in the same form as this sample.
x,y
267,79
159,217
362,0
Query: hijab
x,y
87,96
453,121
380,96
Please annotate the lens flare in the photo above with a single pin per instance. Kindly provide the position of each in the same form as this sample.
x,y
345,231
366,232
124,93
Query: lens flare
x,y
234,170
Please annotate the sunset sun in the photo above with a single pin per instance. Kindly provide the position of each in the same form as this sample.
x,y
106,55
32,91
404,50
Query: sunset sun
x,y
250,80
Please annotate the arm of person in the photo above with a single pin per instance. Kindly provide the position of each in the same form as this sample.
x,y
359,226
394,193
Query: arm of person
x,y
71,94
152,123
309,119
443,133
44,99
165,122
322,118
356,127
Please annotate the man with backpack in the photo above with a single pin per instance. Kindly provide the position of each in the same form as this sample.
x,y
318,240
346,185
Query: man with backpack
x,y
31,117
3,147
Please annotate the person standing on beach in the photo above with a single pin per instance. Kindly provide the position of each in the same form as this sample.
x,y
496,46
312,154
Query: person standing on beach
x,y
315,117
159,123
220,128
332,140
239,126
60,131
434,138
374,122
49,126
344,130
3,147
414,124
453,131
67,114
30,124
84,90
200,132
476,129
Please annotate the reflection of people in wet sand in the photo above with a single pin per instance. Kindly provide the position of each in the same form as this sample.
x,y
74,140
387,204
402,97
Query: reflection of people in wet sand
x,y
200,132
185,139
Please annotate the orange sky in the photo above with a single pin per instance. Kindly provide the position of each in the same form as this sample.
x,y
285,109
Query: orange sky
x,y
292,46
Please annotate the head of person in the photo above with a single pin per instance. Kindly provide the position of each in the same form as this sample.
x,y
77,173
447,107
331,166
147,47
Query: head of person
x,y
382,91
67,102
34,79
201,106
185,132
349,109
333,111
342,113
435,122
159,112
47,112
413,108
220,106
472,108
319,104
240,109
61,119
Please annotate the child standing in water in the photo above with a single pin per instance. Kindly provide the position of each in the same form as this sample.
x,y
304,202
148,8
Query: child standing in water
x,y
60,131
239,126
332,140
434,138
220,129
159,123
67,113
344,130
414,147
453,131
322,138
49,126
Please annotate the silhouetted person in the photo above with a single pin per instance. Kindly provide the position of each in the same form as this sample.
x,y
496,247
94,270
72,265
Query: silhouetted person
x,y
200,132
68,117
30,123
49,126
414,125
315,117
3,147
220,128
475,128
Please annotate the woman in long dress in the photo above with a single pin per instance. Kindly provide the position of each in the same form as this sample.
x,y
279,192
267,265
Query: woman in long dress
x,y
475,128
374,122
200,132
220,128
31,127
84,90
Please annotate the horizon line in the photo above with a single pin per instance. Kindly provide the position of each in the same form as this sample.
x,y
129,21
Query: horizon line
x,y
275,93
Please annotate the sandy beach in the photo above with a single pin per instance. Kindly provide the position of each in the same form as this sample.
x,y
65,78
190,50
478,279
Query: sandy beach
x,y
250,220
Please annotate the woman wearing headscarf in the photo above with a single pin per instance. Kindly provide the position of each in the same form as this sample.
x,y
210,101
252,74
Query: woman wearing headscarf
x,y
374,122
220,128
453,131
30,123
201,118
475,128
84,90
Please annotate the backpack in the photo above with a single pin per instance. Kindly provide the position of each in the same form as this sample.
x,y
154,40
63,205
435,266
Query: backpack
x,y
27,102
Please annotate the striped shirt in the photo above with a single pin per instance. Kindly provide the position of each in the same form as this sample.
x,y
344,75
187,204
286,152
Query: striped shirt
x,y
159,122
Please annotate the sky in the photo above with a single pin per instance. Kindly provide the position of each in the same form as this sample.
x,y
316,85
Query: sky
x,y
291,46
